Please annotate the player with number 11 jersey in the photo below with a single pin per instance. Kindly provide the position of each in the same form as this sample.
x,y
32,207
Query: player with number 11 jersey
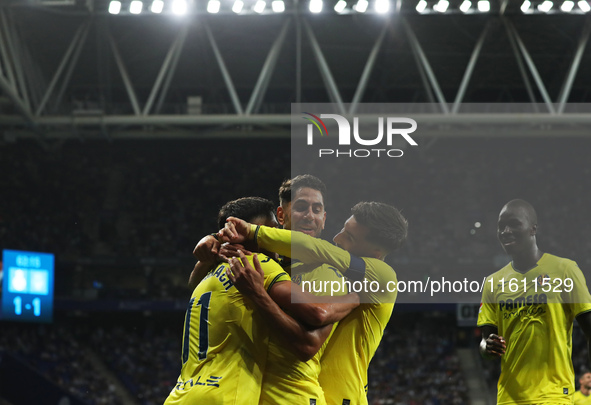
x,y
223,360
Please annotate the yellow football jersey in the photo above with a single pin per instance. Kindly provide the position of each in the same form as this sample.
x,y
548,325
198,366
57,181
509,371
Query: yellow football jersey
x,y
287,379
534,312
225,342
344,365
582,399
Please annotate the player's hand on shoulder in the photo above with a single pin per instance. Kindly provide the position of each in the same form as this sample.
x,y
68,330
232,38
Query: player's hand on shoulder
x,y
494,346
248,280
236,230
207,249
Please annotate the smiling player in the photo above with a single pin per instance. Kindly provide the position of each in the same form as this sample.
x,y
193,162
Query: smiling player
x,y
530,327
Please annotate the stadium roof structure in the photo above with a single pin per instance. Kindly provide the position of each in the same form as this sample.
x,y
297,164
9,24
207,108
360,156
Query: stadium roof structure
x,y
70,68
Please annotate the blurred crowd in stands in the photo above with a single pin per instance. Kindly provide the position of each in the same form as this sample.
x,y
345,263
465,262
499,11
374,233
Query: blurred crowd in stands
x,y
411,367
415,366
155,199
56,353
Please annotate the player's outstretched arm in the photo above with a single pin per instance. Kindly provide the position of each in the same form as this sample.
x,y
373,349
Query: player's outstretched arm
x,y
584,321
492,346
283,242
305,341
313,309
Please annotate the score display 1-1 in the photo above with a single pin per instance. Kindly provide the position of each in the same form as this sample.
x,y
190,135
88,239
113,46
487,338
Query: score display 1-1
x,y
27,290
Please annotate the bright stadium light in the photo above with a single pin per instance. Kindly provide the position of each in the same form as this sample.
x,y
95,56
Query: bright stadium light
x,y
421,6
525,6
259,7
483,6
567,6
179,7
465,6
441,6
382,6
278,6
361,6
157,6
136,7
114,7
315,6
340,6
546,6
237,7
213,6
584,6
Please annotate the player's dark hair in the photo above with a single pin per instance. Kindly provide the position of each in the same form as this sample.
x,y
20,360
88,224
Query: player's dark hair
x,y
387,227
291,186
246,208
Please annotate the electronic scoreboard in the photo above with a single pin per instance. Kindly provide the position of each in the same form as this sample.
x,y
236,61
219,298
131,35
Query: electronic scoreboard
x,y
27,288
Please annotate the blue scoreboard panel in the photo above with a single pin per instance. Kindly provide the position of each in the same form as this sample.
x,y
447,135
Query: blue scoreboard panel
x,y
27,288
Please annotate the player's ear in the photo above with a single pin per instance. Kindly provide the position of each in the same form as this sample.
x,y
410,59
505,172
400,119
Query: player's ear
x,y
280,215
534,230
324,220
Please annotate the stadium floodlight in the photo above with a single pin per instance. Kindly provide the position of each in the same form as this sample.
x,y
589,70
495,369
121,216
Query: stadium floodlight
x,y
157,6
361,6
238,6
584,6
179,7
114,7
546,6
213,6
567,6
441,6
340,6
483,6
259,7
382,6
465,6
421,6
525,6
315,6
278,6
135,7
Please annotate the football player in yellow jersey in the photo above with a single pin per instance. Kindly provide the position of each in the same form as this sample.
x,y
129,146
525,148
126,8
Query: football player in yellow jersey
x,y
373,231
225,344
527,313
583,396
287,378
287,375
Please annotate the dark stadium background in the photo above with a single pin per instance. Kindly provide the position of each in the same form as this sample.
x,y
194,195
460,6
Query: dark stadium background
x,y
121,198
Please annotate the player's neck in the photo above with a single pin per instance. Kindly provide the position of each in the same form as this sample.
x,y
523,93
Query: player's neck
x,y
585,391
527,260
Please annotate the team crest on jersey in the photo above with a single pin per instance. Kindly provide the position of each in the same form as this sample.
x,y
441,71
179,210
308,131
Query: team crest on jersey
x,y
540,279
565,391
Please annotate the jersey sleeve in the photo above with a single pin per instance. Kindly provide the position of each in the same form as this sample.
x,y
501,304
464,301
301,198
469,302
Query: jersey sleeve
x,y
377,271
487,314
579,296
273,271
307,249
